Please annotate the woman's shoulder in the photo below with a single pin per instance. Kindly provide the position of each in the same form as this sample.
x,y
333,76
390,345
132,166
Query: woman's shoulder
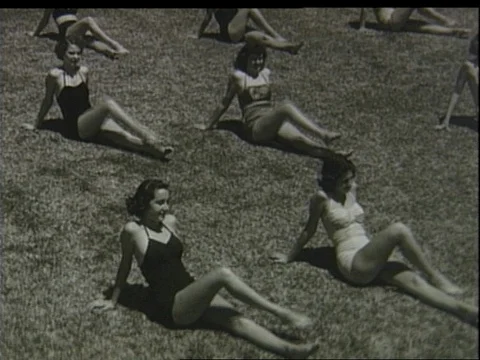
x,y
132,228
55,72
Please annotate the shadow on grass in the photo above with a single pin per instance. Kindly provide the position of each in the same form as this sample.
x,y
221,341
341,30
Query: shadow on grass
x,y
140,298
237,127
61,127
217,36
469,122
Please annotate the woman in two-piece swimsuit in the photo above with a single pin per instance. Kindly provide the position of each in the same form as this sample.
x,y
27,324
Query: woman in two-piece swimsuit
x,y
183,301
233,25
398,19
467,74
70,27
265,123
69,85
362,259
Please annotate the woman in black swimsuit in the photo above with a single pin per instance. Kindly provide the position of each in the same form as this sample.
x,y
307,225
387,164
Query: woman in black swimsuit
x,y
264,122
69,84
154,242
233,24
70,27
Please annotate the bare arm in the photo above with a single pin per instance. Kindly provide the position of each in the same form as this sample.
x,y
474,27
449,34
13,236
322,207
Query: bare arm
x,y
315,212
205,22
224,105
43,22
125,263
50,84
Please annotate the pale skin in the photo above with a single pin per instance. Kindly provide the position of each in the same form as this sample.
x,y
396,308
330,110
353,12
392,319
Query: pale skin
x,y
237,30
106,119
201,299
101,42
285,123
398,19
467,75
373,259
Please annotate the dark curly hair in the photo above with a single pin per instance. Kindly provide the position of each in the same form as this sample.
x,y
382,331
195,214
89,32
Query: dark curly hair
x,y
138,203
62,45
241,60
332,170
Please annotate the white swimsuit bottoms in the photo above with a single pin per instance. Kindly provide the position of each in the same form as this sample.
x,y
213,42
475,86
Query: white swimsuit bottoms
x,y
345,252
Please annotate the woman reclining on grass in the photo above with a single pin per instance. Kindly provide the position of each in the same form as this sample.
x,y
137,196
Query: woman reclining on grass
x,y
68,83
70,27
183,301
362,259
264,123
398,19
233,24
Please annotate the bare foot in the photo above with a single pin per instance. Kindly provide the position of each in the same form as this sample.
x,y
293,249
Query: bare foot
x,y
461,32
295,48
346,153
442,127
301,351
159,151
298,321
332,136
445,285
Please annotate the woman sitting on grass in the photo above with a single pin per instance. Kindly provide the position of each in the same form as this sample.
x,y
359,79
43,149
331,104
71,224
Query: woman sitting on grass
x,y
233,24
362,259
398,19
264,123
70,27
68,83
468,74
152,238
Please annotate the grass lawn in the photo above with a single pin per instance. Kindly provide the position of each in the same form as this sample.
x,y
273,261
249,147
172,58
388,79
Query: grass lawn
x,y
63,201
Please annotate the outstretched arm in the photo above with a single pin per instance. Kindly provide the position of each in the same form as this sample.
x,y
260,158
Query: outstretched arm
x,y
43,22
123,271
315,212
50,84
205,22
222,107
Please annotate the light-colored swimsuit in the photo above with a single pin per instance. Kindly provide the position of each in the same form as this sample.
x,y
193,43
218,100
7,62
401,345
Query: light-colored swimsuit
x,y
344,226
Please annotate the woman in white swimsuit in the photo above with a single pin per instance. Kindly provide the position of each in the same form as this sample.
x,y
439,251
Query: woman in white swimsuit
x,y
398,19
467,74
362,259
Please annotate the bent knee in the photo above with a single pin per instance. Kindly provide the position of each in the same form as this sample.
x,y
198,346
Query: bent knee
x,y
398,229
225,272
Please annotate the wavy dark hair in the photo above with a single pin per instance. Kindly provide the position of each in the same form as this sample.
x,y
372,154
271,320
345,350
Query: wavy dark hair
x,y
62,45
241,59
332,170
138,203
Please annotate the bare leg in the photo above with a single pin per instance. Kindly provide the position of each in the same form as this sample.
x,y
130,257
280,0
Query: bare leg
x,y
221,313
262,39
191,302
371,259
290,112
93,121
434,29
432,14
415,285
291,136
101,48
467,73
238,25
399,18
89,24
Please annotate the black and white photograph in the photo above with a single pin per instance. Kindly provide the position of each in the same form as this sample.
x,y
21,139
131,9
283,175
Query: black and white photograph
x,y
240,183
